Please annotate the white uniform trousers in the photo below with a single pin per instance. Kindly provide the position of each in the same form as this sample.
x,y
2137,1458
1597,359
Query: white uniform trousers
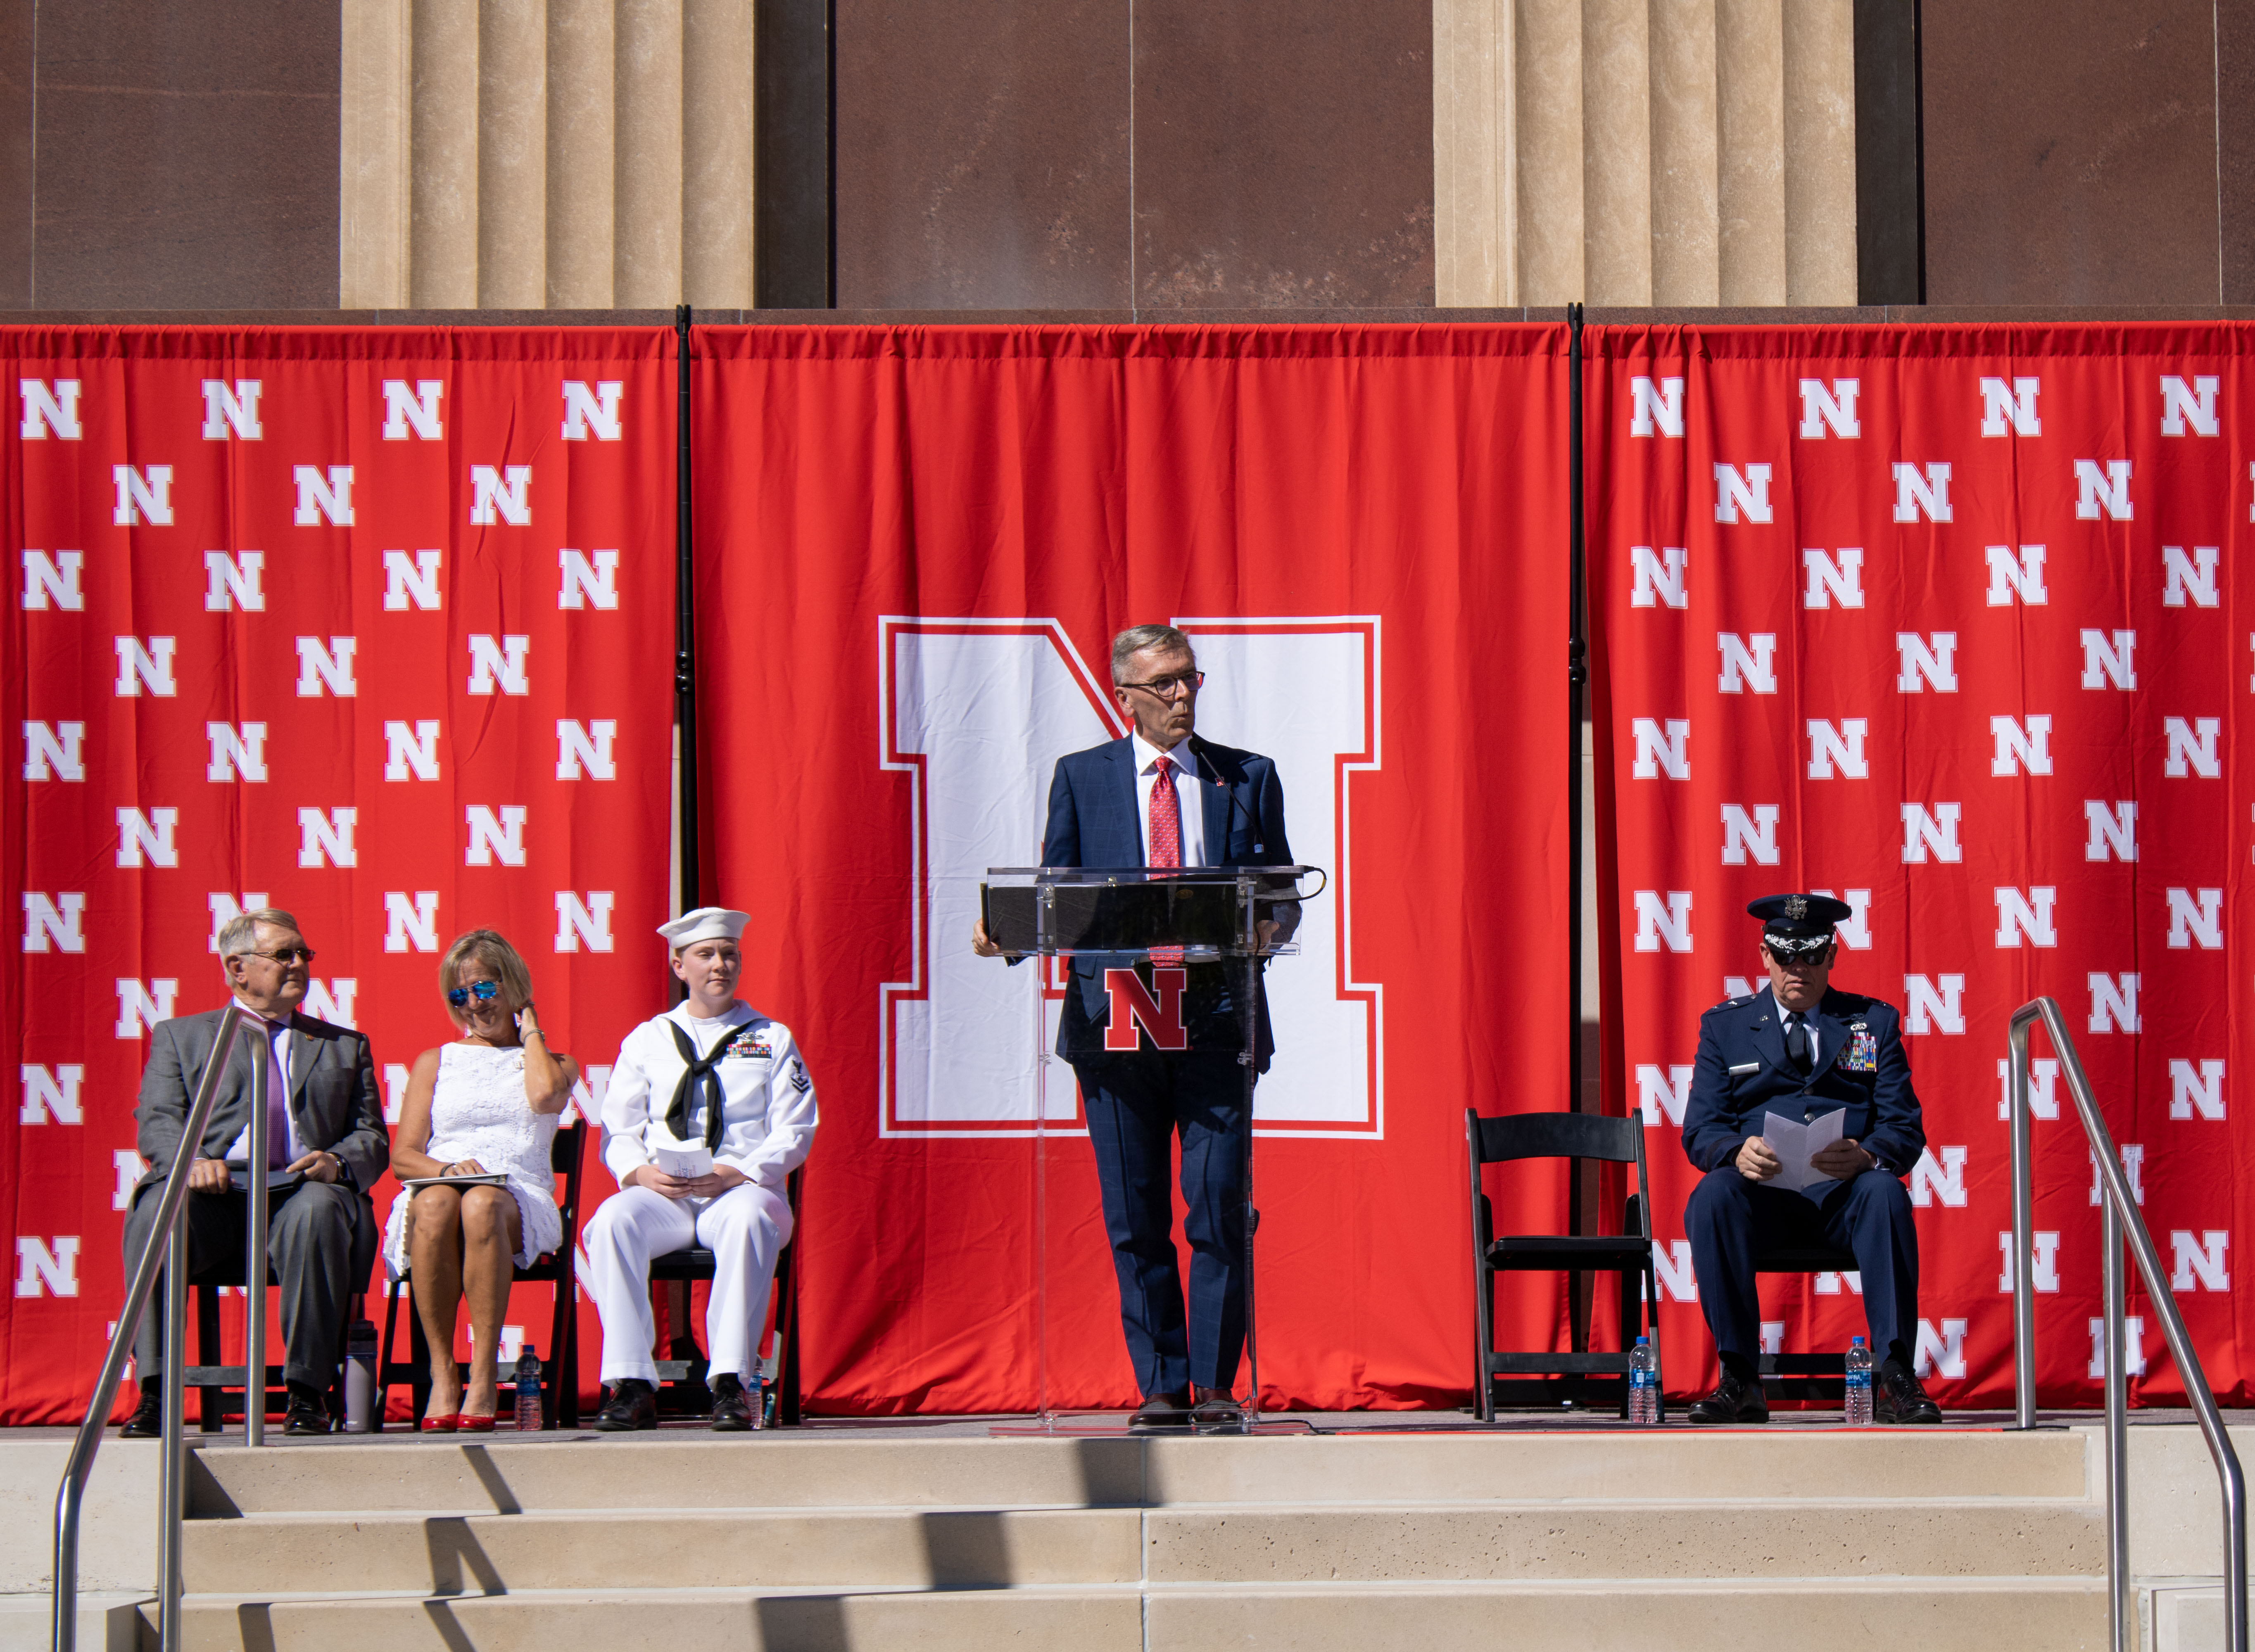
x,y
745,1228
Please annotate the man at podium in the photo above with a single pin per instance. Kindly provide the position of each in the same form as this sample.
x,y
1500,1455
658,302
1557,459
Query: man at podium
x,y
1829,1067
1155,1047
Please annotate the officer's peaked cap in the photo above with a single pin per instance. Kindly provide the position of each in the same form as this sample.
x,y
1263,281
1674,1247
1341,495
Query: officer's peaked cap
x,y
1800,917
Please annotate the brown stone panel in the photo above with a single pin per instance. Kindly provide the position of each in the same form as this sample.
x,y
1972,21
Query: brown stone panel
x,y
2071,149
188,154
2235,28
15,32
981,153
1283,153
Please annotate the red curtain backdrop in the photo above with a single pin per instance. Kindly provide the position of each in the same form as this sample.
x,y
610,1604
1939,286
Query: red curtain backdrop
x,y
372,625
913,546
1945,621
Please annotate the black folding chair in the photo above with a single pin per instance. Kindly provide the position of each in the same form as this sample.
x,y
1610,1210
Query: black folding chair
x,y
1556,1376
223,1390
683,1266
560,1399
1808,1376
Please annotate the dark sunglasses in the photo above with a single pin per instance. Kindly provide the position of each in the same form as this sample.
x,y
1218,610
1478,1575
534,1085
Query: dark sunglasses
x,y
1790,952
483,991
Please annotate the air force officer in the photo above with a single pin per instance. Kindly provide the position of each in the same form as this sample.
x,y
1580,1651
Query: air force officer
x,y
1801,1050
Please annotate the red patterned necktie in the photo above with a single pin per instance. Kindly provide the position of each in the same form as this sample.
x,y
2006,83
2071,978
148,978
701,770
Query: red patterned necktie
x,y
1166,839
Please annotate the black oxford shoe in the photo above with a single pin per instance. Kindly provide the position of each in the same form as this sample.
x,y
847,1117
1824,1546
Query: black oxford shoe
x,y
1217,1412
633,1405
1162,1411
1733,1401
1901,1401
735,1407
148,1419
308,1412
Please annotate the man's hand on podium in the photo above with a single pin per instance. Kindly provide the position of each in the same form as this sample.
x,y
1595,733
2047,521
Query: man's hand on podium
x,y
979,941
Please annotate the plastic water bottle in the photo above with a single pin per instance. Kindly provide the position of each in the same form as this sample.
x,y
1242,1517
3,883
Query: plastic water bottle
x,y
1859,1384
528,1390
360,1378
1643,1384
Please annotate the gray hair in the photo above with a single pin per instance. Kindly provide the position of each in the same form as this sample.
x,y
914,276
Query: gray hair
x,y
1135,639
239,934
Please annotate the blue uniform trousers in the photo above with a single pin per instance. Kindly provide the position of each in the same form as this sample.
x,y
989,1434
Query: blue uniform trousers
x,y
1730,1219
1136,1104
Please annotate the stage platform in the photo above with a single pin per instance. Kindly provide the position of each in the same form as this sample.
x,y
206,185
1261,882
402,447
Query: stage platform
x,y
1413,1530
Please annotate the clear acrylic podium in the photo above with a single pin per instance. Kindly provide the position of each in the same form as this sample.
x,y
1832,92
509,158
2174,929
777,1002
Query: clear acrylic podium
x,y
1236,915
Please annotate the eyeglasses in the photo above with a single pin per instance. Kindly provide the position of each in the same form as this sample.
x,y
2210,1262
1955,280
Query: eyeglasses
x,y
287,957
1789,953
1168,687
483,991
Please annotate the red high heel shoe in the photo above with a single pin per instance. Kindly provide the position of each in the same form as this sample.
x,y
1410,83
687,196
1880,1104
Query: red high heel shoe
x,y
471,1425
446,1424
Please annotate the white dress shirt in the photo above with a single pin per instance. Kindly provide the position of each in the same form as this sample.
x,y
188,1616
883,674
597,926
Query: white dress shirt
x,y
276,1035
768,1110
1188,791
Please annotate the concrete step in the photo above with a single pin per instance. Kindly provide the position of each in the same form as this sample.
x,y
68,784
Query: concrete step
x,y
780,1470
1791,1614
487,1554
109,1621
1261,1543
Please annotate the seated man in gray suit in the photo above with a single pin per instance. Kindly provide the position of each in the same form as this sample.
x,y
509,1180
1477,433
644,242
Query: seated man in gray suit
x,y
325,1145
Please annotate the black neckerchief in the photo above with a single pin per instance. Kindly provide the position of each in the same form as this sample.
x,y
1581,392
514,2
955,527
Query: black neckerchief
x,y
701,1073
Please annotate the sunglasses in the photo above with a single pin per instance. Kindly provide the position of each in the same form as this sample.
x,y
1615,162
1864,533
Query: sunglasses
x,y
483,991
1790,952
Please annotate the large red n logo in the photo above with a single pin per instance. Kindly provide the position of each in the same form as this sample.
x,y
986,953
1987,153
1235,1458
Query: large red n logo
x,y
1131,1004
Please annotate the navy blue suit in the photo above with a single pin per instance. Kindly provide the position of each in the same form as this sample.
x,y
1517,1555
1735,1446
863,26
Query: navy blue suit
x,y
1742,1074
1138,1100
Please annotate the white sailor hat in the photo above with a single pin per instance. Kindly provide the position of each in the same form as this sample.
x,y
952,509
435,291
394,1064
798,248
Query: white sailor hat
x,y
706,923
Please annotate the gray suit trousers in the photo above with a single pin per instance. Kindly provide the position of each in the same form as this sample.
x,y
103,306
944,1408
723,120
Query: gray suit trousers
x,y
321,1240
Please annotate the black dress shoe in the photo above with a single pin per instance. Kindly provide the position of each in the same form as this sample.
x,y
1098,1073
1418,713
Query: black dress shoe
x,y
308,1412
1162,1411
148,1419
1734,1400
735,1407
633,1405
1900,1400
1217,1412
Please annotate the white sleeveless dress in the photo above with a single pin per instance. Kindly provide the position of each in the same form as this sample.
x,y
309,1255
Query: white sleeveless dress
x,y
478,1111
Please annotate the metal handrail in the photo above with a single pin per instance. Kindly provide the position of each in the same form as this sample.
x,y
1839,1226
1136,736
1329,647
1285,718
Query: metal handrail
x,y
171,1255
2121,1221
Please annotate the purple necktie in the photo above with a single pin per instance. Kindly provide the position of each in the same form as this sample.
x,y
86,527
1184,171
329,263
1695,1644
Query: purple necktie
x,y
277,1098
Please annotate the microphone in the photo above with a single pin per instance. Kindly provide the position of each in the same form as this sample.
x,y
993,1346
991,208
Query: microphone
x,y
1284,927
1236,802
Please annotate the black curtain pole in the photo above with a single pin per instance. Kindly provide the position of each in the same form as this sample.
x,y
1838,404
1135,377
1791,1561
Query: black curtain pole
x,y
1578,676
684,618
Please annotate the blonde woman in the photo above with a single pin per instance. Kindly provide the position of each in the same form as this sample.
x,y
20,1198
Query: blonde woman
x,y
484,1105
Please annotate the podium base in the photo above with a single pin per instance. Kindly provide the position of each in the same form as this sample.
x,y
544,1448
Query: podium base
x,y
1114,1425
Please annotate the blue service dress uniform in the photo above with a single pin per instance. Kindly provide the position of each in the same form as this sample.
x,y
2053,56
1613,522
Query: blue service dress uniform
x,y
1742,1074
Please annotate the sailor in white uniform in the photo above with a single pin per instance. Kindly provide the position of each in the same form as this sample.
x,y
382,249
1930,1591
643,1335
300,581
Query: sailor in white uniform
x,y
709,1109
